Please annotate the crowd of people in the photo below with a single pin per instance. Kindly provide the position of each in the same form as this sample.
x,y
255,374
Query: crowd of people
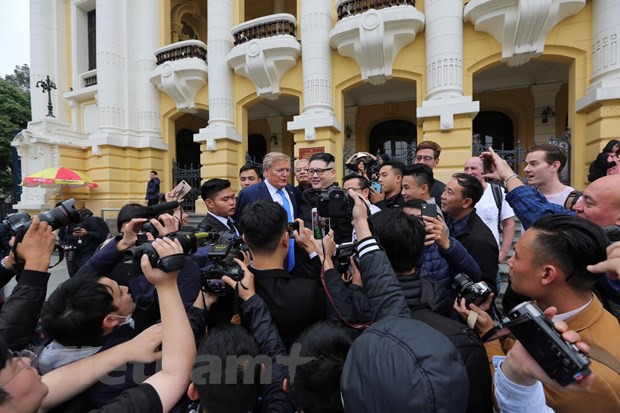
x,y
267,307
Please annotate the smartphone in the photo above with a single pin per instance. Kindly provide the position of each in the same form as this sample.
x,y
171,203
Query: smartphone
x,y
429,210
487,165
376,186
182,189
320,225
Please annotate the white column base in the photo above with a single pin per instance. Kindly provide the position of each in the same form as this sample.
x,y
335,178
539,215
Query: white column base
x,y
446,108
606,89
214,132
308,122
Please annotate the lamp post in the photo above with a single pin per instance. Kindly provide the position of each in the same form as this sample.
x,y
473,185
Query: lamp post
x,y
47,86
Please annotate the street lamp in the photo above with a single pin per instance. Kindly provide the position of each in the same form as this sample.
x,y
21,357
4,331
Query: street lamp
x,y
47,86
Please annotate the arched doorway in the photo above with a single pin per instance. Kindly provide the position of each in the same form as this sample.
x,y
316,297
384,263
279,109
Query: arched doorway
x,y
495,129
188,151
396,138
257,148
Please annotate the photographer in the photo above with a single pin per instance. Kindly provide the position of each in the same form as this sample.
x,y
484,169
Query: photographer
x,y
23,390
370,381
551,264
20,312
80,240
295,301
230,342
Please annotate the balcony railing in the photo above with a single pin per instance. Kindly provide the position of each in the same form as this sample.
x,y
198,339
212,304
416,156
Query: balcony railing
x,y
186,49
264,27
88,78
348,8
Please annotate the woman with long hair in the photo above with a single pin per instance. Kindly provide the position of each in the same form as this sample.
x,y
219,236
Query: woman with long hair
x,y
608,161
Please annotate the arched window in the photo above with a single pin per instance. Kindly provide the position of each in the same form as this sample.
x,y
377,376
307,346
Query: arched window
x,y
397,138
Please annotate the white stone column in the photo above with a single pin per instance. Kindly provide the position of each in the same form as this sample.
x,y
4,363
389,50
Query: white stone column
x,y
316,22
605,82
221,105
444,63
47,47
144,113
111,66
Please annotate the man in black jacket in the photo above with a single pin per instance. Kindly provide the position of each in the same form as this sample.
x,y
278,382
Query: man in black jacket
x,y
458,202
295,301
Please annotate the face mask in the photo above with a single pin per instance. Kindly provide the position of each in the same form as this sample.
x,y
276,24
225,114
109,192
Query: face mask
x,y
128,321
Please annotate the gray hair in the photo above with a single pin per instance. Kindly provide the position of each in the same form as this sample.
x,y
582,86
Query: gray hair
x,y
273,157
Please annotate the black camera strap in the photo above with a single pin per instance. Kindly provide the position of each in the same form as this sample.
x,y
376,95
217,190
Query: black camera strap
x,y
20,263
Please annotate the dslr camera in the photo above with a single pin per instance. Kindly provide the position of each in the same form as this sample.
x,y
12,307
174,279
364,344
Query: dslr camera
x,y
562,361
57,217
334,202
222,255
473,293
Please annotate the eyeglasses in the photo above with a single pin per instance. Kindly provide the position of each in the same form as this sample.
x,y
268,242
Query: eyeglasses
x,y
425,157
319,172
355,189
25,358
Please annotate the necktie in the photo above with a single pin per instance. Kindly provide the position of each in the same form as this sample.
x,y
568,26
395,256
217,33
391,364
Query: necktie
x,y
291,246
232,227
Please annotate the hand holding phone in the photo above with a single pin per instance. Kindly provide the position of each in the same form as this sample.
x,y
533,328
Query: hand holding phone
x,y
377,186
181,190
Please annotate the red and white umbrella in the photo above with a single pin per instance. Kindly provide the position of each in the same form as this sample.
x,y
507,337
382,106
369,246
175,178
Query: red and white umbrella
x,y
51,177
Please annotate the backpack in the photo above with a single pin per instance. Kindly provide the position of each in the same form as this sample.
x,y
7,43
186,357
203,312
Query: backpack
x,y
595,172
473,354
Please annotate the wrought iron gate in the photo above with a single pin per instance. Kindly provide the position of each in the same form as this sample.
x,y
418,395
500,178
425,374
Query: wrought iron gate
x,y
191,175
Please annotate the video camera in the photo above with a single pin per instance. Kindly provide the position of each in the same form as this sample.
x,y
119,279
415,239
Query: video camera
x,y
344,251
473,293
223,251
562,361
190,242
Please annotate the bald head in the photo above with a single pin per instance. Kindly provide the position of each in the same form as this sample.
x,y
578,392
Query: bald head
x,y
600,202
474,167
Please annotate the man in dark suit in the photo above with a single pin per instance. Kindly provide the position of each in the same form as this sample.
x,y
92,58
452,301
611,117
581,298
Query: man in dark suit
x,y
276,171
220,200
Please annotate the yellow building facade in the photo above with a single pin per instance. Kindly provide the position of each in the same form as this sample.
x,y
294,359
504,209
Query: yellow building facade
x,y
209,84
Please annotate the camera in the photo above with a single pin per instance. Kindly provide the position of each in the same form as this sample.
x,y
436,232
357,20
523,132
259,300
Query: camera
x,y
562,361
473,293
222,254
334,202
154,211
57,217
190,242
344,251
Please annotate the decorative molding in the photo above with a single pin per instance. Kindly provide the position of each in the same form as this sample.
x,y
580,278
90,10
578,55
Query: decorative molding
x,y
520,26
265,60
374,38
183,77
317,92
